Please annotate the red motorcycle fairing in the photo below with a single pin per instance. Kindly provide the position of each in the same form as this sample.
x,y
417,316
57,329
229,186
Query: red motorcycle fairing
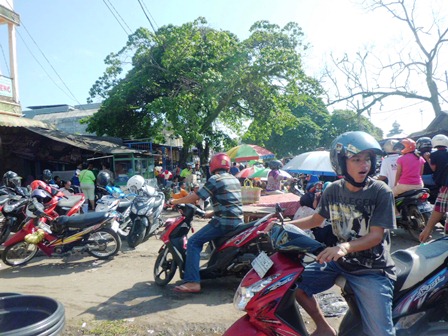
x,y
170,225
243,326
246,235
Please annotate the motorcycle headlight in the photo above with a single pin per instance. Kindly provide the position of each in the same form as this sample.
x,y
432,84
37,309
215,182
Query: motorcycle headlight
x,y
244,294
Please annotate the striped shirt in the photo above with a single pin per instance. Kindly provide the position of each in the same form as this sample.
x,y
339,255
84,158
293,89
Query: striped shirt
x,y
224,190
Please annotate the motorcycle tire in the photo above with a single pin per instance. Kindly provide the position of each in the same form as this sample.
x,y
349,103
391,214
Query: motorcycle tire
x,y
136,234
164,267
19,253
416,222
108,243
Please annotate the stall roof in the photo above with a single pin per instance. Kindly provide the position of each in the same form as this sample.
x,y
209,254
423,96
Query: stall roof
x,y
94,145
438,126
17,121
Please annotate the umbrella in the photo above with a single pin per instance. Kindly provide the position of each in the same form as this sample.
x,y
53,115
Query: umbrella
x,y
263,173
314,163
249,152
246,172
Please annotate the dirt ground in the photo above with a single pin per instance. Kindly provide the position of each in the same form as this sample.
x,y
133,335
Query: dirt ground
x,y
119,296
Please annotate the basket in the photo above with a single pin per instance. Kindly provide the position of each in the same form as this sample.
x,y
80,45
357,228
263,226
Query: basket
x,y
249,193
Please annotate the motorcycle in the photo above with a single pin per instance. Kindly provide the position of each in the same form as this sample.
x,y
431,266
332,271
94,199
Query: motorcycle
x,y
94,233
146,210
414,210
115,200
267,292
12,209
230,254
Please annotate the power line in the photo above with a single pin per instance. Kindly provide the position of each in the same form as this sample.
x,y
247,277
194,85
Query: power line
x,y
116,18
147,17
147,10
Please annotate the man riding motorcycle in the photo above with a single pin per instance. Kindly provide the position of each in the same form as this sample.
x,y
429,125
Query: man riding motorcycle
x,y
362,213
224,189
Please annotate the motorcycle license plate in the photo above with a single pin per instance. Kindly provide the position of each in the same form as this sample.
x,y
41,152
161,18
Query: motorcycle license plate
x,y
115,225
261,264
426,207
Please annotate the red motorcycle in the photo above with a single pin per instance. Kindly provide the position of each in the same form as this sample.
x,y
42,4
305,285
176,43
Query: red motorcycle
x,y
267,292
94,233
230,254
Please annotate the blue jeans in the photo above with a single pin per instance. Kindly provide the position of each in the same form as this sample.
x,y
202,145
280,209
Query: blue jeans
x,y
373,293
194,247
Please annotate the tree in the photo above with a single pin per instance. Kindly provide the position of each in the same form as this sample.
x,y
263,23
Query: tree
x,y
370,79
345,120
199,82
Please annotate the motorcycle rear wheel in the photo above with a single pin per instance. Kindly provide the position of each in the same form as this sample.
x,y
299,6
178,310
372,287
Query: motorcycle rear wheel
x,y
136,234
164,267
108,243
416,222
19,253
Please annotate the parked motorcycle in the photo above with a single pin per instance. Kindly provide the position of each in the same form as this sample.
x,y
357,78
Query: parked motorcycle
x,y
230,254
12,210
414,210
113,199
146,210
94,233
267,292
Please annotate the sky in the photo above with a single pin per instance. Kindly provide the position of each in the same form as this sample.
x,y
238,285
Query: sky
x,y
62,44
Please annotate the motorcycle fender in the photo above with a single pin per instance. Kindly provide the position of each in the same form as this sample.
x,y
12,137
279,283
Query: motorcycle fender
x,y
17,237
115,225
243,327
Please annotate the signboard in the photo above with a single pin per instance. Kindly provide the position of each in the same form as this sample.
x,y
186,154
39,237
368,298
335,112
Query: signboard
x,y
5,86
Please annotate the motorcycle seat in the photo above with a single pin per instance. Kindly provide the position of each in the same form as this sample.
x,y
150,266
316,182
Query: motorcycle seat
x,y
417,262
240,228
412,192
82,221
69,202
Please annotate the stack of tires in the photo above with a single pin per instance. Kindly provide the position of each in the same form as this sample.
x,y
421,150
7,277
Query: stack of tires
x,y
30,315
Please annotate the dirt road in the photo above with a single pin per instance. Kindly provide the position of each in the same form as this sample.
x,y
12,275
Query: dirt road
x,y
119,297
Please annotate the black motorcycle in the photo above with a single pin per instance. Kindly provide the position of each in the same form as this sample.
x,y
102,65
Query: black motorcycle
x,y
12,207
414,210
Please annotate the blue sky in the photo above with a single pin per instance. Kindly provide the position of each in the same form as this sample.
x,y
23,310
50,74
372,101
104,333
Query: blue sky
x,y
76,35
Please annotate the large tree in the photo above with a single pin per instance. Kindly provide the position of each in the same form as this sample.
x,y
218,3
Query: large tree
x,y
367,78
199,82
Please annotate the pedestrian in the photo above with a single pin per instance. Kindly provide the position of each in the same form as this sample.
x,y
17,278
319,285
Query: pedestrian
x,y
438,159
388,169
87,183
66,188
105,167
361,211
275,178
225,193
234,170
409,167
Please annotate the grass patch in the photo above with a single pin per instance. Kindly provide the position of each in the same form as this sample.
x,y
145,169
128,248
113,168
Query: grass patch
x,y
113,328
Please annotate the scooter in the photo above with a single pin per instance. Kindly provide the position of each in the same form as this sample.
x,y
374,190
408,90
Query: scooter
x,y
115,200
267,292
146,210
94,233
230,254
414,210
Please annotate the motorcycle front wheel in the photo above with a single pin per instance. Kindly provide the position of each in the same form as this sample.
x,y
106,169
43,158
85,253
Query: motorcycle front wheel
x,y
19,253
416,222
106,243
164,267
136,234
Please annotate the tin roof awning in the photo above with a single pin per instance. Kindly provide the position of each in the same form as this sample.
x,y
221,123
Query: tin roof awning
x,y
13,121
94,145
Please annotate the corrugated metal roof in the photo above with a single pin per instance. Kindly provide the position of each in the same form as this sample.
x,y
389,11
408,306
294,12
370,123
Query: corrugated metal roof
x,y
12,121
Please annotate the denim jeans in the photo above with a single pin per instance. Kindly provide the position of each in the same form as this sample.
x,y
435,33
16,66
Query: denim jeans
x,y
373,293
194,248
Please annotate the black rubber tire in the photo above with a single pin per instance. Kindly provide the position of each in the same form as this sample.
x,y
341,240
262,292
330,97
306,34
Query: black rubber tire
x,y
136,234
416,222
164,267
20,247
105,238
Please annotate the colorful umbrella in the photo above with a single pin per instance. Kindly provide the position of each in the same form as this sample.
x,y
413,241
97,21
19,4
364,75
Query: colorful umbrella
x,y
263,173
314,163
249,152
246,172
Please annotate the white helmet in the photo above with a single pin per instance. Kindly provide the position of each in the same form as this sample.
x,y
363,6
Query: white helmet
x,y
135,183
388,146
439,140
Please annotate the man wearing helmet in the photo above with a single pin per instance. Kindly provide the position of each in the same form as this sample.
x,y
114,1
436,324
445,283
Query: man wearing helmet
x,y
361,211
224,190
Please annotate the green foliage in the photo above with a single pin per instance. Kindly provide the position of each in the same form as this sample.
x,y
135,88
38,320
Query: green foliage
x,y
200,82
346,120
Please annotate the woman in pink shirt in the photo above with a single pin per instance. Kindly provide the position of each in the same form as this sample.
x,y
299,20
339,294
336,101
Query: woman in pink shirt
x,y
409,168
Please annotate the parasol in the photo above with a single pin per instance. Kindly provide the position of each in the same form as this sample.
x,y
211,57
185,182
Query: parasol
x,y
263,173
246,172
314,163
249,152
